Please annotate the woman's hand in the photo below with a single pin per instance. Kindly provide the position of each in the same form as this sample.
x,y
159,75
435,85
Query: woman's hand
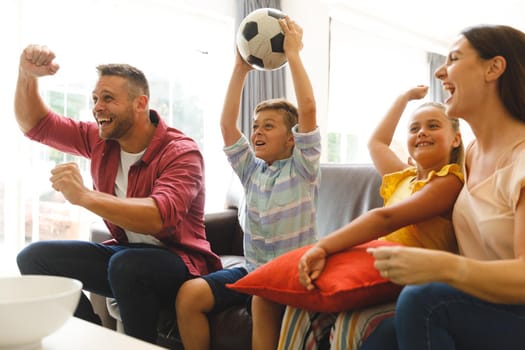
x,y
408,265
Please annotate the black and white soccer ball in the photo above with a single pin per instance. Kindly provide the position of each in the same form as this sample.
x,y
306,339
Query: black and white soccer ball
x,y
260,39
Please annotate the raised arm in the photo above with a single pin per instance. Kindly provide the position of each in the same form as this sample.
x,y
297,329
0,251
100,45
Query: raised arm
x,y
35,61
434,199
293,35
230,110
384,158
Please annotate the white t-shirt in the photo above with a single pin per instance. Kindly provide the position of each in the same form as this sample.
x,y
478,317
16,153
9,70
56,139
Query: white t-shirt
x,y
121,186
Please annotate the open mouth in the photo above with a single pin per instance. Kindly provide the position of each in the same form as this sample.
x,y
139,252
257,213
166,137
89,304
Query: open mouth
x,y
450,89
103,121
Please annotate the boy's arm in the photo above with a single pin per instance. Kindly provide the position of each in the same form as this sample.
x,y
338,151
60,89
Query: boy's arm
x,y
293,35
230,110
384,158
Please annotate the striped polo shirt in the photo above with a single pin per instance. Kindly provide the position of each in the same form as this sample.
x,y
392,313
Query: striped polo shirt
x,y
278,210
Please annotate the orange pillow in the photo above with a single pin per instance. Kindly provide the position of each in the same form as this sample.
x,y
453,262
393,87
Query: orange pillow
x,y
348,281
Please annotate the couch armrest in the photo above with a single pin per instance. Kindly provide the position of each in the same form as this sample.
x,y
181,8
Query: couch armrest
x,y
98,232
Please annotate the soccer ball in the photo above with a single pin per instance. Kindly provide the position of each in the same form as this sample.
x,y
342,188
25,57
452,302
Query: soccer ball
x,y
260,39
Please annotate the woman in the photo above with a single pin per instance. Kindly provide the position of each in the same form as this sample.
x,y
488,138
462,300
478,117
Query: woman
x,y
474,300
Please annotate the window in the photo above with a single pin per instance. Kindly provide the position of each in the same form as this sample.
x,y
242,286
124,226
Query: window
x,y
367,72
185,69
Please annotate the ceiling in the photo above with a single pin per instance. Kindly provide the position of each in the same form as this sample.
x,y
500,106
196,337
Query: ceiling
x,y
440,20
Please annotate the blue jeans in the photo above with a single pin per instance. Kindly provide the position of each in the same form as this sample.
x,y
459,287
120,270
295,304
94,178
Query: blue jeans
x,y
142,278
436,316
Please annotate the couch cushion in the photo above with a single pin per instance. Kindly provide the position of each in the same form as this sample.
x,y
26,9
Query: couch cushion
x,y
348,281
346,192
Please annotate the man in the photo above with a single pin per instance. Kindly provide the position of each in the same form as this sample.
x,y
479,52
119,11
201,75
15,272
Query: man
x,y
148,184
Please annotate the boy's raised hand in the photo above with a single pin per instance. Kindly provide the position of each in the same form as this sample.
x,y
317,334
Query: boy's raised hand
x,y
293,35
240,62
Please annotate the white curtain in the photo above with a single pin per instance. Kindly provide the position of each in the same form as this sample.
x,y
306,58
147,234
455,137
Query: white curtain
x,y
436,92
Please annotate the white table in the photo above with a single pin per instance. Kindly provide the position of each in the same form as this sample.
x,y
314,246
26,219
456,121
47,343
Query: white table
x,y
82,335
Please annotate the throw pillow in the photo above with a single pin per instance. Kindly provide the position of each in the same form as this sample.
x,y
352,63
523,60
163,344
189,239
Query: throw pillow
x,y
348,281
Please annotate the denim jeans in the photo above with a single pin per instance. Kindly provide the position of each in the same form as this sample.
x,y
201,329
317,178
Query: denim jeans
x,y
436,316
142,278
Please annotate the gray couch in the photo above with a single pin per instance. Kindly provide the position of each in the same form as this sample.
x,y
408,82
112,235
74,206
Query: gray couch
x,y
346,191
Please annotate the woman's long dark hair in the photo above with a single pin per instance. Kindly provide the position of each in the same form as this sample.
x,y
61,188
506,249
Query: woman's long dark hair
x,y
499,40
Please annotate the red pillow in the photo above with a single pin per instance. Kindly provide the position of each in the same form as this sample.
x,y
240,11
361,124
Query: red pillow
x,y
348,281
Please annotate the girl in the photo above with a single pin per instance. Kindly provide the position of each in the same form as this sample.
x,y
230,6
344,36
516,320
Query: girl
x,y
418,203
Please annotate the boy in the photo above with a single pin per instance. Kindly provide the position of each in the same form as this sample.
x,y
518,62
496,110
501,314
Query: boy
x,y
280,176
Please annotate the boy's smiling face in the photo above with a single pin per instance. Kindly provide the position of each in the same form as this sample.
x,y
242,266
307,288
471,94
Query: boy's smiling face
x,y
271,138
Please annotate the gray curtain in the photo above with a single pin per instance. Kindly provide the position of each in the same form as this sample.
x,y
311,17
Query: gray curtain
x,y
259,85
436,92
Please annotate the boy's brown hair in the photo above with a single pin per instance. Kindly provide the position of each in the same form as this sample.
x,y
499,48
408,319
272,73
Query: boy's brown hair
x,y
291,116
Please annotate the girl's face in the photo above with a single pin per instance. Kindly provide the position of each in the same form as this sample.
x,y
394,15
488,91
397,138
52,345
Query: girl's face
x,y
271,138
463,76
431,137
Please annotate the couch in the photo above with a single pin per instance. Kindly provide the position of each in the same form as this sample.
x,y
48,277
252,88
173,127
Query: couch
x,y
346,191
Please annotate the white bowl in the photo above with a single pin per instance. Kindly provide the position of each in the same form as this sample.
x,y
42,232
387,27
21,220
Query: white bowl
x,y
34,306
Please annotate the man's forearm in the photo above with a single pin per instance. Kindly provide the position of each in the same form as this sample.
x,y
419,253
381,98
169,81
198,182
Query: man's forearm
x,y
29,106
139,215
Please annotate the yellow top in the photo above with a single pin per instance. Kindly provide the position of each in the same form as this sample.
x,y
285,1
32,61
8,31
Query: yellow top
x,y
436,233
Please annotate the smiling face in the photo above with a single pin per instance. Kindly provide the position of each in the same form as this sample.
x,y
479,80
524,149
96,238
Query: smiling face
x,y
463,75
431,137
271,137
113,107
